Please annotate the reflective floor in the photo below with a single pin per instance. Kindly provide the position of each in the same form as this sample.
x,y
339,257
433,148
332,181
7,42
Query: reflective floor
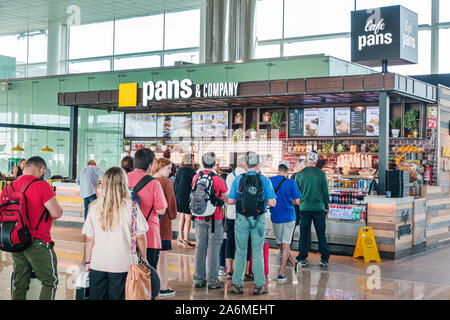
x,y
422,276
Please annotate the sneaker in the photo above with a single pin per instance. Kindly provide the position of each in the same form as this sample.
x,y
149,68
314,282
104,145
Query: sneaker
x,y
222,271
167,293
279,253
217,285
281,278
234,289
302,263
323,264
259,290
200,284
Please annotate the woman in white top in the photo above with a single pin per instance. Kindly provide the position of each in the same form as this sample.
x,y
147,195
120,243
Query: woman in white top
x,y
108,237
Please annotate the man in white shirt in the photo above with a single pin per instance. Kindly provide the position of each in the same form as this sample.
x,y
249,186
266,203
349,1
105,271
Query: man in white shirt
x,y
231,217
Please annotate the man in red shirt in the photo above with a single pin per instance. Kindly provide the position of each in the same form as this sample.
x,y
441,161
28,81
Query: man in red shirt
x,y
208,242
39,256
152,199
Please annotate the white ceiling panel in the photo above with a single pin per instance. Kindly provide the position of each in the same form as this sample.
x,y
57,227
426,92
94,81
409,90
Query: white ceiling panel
x,y
24,15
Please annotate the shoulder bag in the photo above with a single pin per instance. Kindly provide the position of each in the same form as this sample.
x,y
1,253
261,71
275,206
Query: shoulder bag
x,y
138,284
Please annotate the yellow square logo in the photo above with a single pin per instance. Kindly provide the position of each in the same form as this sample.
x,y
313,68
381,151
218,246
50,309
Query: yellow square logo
x,y
128,94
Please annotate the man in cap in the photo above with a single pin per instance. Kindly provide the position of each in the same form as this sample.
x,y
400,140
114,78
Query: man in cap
x,y
283,215
250,222
313,185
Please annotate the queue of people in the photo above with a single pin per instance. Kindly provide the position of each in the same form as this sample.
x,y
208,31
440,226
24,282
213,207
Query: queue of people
x,y
234,204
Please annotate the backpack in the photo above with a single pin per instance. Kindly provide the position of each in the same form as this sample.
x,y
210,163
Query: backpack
x,y
203,200
138,187
250,200
16,233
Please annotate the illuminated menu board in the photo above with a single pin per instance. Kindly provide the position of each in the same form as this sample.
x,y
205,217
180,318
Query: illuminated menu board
x,y
210,124
174,125
140,125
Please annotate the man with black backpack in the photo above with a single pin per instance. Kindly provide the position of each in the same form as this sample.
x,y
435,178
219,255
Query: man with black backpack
x,y
32,200
209,192
251,192
151,200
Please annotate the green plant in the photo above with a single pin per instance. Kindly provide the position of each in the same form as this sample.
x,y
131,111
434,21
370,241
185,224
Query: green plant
x,y
127,143
275,120
395,124
410,119
327,148
253,125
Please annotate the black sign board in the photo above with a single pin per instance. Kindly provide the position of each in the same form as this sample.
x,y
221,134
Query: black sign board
x,y
296,122
358,121
387,33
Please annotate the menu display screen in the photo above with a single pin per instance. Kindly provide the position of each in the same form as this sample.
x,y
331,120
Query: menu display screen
x,y
174,125
296,122
210,124
311,121
334,122
358,121
140,125
342,121
372,121
326,122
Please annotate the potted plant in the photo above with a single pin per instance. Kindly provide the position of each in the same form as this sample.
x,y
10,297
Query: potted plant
x,y
410,121
275,122
395,127
253,127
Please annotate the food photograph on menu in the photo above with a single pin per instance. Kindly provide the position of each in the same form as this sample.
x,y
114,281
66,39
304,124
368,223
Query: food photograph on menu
x,y
174,125
372,121
210,124
342,121
140,125
311,122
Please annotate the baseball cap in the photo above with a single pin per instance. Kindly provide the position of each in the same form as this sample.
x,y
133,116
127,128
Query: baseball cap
x,y
209,158
284,163
312,156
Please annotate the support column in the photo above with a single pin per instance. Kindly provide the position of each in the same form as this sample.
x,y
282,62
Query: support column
x,y
383,153
206,34
73,148
434,36
232,28
53,47
246,31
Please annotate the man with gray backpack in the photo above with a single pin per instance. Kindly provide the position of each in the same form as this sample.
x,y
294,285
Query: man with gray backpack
x,y
209,192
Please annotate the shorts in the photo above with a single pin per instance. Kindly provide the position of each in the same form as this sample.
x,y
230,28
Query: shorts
x,y
283,231
166,245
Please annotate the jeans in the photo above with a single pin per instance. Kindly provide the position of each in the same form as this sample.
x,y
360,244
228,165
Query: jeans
x,y
245,227
230,248
107,285
207,251
87,201
40,258
318,217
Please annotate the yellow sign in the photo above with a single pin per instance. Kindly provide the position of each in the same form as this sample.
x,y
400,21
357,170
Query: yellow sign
x,y
366,246
432,112
128,94
446,152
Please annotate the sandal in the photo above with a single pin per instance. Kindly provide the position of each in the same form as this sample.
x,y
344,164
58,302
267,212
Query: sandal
x,y
229,276
249,277
180,241
259,290
234,289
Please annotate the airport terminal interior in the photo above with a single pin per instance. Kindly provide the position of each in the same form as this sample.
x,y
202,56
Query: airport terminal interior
x,y
363,84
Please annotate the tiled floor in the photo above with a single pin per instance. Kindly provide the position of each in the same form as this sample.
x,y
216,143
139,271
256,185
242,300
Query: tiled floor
x,y
423,276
